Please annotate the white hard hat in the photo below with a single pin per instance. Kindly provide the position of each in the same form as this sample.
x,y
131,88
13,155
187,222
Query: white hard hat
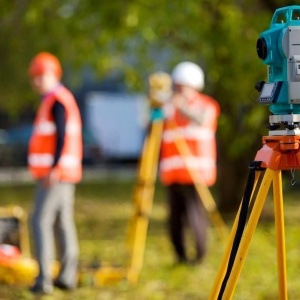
x,y
188,73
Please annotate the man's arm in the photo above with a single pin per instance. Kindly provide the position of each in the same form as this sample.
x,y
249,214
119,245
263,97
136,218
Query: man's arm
x,y
59,116
195,116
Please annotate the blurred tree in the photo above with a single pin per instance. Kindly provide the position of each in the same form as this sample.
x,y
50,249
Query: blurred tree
x,y
139,37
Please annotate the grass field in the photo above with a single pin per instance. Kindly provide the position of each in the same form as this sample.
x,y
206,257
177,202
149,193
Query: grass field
x,y
102,212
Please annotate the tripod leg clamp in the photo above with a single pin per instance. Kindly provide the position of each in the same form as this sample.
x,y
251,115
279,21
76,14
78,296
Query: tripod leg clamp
x,y
256,165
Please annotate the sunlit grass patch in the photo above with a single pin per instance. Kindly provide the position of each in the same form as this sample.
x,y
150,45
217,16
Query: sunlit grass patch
x,y
102,213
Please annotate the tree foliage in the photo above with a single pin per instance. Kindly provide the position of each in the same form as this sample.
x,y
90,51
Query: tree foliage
x,y
142,36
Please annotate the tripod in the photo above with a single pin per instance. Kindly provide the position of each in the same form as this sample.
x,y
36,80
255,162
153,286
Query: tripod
x,y
278,153
160,89
143,200
145,190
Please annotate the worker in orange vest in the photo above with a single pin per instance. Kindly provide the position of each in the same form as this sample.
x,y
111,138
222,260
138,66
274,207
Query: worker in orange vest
x,y
54,160
192,115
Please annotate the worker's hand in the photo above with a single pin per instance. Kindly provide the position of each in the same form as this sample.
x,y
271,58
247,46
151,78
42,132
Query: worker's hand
x,y
50,179
179,101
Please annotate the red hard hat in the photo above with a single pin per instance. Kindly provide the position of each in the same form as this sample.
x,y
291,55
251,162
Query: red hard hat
x,y
45,61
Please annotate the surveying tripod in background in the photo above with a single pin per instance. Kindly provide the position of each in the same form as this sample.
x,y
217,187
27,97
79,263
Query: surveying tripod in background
x,y
160,85
279,152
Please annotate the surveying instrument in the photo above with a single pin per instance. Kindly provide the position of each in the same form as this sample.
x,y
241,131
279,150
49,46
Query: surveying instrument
x,y
279,48
160,90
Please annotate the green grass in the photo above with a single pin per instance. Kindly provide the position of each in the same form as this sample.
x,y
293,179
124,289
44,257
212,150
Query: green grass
x,y
102,213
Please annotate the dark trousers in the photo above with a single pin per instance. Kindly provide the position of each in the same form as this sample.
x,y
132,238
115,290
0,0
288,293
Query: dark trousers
x,y
185,207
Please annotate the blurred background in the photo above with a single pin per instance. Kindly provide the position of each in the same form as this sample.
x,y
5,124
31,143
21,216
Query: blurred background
x,y
108,48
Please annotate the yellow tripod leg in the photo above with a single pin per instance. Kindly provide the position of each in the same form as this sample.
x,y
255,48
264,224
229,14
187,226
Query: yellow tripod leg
x,y
210,206
280,236
202,190
143,199
248,233
223,265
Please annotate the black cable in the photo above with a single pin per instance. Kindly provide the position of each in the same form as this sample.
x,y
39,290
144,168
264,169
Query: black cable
x,y
255,165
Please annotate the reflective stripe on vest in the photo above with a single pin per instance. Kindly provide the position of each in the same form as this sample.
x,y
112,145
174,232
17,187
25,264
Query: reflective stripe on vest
x,y
176,162
47,159
45,128
48,128
189,133
72,128
69,161
43,160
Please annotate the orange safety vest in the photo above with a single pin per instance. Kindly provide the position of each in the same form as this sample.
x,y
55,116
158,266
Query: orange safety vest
x,y
43,140
199,138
